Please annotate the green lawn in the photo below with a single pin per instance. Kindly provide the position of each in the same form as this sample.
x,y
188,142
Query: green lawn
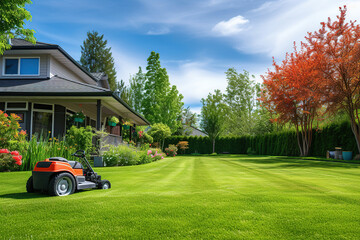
x,y
197,197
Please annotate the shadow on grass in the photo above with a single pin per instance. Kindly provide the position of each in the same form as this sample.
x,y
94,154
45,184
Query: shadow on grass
x,y
23,195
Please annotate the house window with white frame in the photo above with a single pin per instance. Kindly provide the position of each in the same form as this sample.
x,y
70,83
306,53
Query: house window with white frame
x,y
22,66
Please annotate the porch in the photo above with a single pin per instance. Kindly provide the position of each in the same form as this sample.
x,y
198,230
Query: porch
x,y
52,114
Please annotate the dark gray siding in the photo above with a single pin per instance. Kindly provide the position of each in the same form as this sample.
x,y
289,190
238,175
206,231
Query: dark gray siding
x,y
59,121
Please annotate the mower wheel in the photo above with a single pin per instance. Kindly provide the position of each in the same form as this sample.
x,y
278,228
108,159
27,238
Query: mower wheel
x,y
104,184
62,184
30,185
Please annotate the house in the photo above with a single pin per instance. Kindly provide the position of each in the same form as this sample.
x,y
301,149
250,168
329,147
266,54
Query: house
x,y
45,86
189,130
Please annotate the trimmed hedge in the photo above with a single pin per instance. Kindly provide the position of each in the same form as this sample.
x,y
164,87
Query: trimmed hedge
x,y
280,144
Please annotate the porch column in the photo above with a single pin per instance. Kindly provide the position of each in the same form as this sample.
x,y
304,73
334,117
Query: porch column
x,y
130,135
98,115
121,131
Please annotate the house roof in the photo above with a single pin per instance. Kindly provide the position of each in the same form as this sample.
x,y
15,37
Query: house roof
x,y
58,86
55,84
20,44
17,42
98,75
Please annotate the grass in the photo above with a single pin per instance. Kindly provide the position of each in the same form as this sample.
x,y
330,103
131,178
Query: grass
x,y
195,197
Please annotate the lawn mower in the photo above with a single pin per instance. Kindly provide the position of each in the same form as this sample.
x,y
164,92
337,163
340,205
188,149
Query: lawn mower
x,y
59,177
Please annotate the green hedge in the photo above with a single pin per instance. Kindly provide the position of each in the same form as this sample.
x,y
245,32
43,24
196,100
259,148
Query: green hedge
x,y
281,143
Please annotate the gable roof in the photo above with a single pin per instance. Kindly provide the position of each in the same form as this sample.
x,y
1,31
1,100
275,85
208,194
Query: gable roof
x,y
21,44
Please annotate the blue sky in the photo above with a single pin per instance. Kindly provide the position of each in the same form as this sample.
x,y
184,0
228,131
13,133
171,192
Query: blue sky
x,y
197,40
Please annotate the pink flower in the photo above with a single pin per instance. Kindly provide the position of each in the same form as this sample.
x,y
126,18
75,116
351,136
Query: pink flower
x,y
162,157
15,153
152,156
17,158
149,152
4,151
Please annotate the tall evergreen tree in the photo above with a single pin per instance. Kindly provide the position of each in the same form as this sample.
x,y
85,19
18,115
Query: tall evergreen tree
x,y
162,103
97,57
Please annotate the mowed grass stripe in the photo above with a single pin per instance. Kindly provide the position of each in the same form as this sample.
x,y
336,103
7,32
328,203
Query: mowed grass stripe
x,y
194,197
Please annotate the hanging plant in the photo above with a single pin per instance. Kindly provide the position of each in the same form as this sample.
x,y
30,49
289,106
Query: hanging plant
x,y
126,124
79,117
113,121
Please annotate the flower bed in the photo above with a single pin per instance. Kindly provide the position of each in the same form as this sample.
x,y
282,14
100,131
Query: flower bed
x,y
127,155
9,161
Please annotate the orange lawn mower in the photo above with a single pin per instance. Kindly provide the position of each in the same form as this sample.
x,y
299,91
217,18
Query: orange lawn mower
x,y
60,177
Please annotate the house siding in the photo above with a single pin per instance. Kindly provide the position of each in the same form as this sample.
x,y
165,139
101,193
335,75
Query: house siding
x,y
59,121
56,68
44,65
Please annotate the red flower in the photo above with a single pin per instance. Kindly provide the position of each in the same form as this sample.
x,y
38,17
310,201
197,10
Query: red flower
x,y
15,153
5,115
150,145
17,158
19,163
4,151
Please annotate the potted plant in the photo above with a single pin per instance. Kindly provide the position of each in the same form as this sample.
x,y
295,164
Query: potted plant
x,y
126,124
113,121
79,117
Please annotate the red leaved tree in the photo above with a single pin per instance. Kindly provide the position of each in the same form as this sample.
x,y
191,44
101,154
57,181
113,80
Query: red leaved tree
x,y
339,43
294,93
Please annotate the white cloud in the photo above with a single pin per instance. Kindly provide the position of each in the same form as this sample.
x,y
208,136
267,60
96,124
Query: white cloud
x,y
231,27
159,31
275,25
126,64
195,80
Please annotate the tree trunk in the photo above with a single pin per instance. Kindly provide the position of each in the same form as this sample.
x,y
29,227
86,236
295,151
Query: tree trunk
x,y
213,145
355,129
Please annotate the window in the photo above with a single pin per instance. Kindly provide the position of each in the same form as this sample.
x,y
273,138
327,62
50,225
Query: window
x,y
16,106
11,66
29,66
22,66
42,120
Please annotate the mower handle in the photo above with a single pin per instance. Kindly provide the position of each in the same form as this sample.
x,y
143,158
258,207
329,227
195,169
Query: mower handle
x,y
79,153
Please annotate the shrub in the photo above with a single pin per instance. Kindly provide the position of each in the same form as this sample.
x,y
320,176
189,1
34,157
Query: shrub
x,y
9,161
9,130
155,153
171,150
80,138
183,145
159,132
120,156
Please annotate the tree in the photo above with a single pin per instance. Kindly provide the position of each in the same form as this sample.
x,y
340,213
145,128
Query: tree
x,y
12,17
240,97
97,57
162,103
339,43
159,132
213,115
294,92
136,90
123,91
